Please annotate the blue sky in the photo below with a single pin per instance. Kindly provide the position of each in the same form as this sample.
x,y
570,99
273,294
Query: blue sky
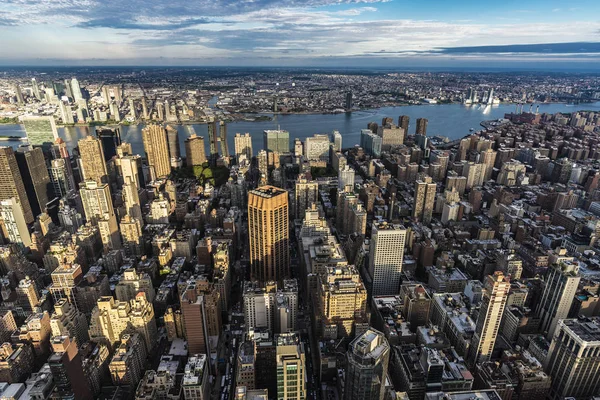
x,y
293,32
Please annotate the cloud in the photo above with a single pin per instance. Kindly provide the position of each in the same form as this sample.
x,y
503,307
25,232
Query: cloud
x,y
119,23
548,48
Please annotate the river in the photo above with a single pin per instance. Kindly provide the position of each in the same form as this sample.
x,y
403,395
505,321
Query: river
x,y
450,120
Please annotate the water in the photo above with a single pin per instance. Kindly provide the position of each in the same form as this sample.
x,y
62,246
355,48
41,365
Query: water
x,y
450,120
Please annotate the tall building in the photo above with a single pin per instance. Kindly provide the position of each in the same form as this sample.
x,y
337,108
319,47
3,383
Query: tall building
x,y
110,139
92,160
35,89
40,130
157,151
403,122
59,176
129,361
27,295
223,139
11,183
495,294
13,223
391,135
195,152
76,90
572,360
317,148
336,139
370,142
346,178
196,307
276,141
386,253
173,141
268,231
131,233
348,100
243,147
32,166
341,302
367,363
306,194
98,209
562,280
291,369
66,320
421,126
67,372
424,202
488,159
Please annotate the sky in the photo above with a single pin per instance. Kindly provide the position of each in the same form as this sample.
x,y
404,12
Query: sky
x,y
334,33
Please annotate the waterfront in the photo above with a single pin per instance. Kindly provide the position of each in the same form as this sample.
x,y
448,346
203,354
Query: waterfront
x,y
450,120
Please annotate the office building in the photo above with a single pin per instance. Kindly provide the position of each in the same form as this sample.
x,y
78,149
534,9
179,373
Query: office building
x,y
291,369
266,306
16,362
195,151
244,393
75,90
562,280
223,139
13,224
34,173
306,194
110,139
246,365
367,363
276,141
488,159
572,360
60,178
92,160
317,148
336,139
424,202
268,231
391,135
131,233
28,296
490,315
371,143
201,310
98,209
341,302
157,151
421,126
386,253
67,372
40,130
243,147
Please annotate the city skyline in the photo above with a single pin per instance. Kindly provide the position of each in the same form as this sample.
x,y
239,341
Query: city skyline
x,y
324,33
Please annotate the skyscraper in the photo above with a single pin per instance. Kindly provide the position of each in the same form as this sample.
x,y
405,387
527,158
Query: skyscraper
x,y
317,148
98,208
336,138
157,151
277,141
403,121
92,160
562,281
348,101
572,359
131,233
195,152
19,94
306,194
110,139
424,199
495,294
243,147
346,178
291,370
144,108
35,89
40,130
67,372
223,139
32,166
76,90
11,183
422,126
367,363
173,141
12,222
268,231
488,159
385,259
